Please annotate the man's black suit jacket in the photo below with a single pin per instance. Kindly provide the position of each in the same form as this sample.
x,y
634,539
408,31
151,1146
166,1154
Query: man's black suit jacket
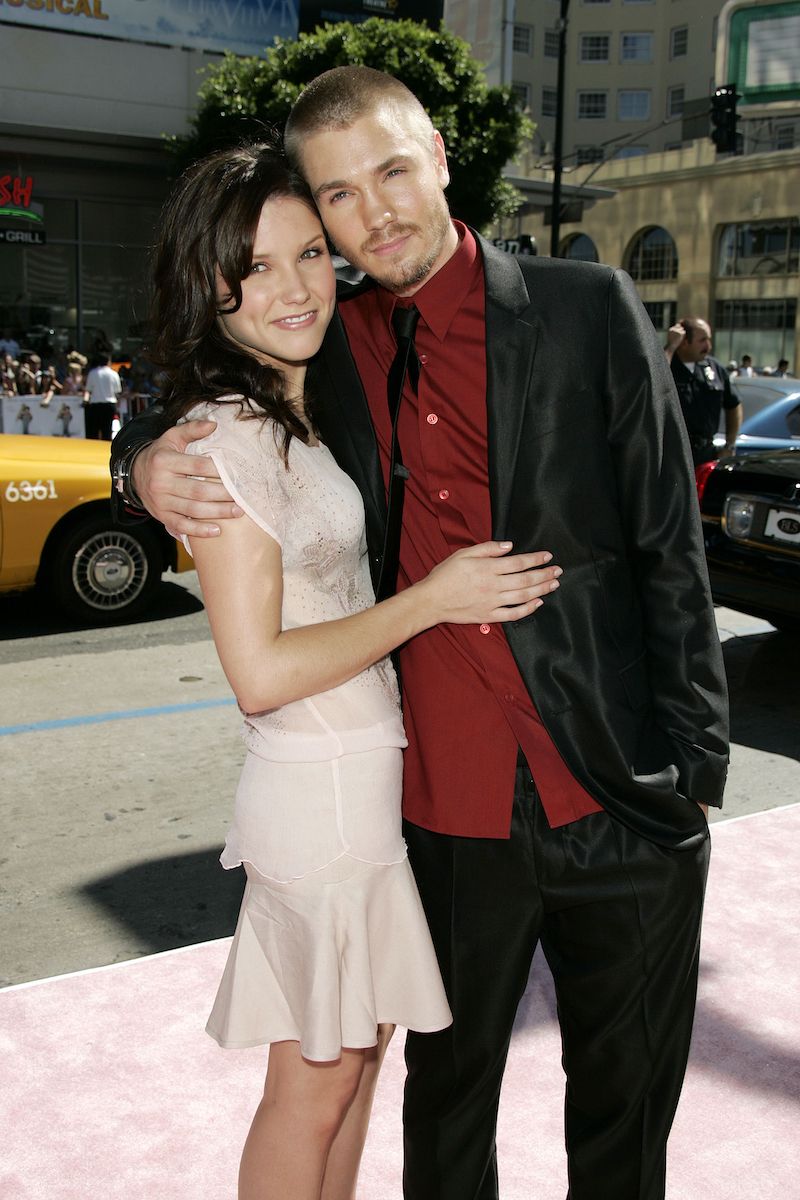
x,y
588,458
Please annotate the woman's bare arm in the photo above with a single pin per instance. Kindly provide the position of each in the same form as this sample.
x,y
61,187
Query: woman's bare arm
x,y
241,576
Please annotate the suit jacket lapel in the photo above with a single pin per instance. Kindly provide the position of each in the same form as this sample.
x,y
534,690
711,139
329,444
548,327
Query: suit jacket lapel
x,y
344,419
512,333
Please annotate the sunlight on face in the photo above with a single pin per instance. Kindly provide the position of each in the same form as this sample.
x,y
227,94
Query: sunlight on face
x,y
380,193
288,297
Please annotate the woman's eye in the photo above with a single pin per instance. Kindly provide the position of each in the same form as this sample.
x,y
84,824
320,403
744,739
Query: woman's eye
x,y
258,267
313,252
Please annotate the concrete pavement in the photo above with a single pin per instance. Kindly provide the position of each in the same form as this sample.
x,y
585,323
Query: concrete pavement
x,y
115,803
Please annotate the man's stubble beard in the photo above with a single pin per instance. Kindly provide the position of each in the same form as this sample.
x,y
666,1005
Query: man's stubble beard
x,y
409,275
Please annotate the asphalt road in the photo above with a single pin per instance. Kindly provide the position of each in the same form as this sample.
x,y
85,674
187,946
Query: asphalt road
x,y
121,750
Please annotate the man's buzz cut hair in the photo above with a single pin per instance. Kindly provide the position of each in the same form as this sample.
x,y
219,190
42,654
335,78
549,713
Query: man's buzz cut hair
x,y
340,97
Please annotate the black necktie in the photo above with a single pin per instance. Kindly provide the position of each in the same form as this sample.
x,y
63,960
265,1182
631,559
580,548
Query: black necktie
x,y
404,323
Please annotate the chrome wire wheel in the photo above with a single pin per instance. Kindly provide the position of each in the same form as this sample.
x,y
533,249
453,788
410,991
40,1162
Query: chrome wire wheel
x,y
110,570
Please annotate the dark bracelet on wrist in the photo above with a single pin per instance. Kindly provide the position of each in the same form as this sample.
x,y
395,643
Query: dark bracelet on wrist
x,y
123,479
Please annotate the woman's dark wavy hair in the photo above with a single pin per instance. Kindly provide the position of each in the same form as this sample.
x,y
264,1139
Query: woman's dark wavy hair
x,y
208,224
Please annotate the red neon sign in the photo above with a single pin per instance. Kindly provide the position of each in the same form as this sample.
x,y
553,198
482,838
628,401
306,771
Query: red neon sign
x,y
16,190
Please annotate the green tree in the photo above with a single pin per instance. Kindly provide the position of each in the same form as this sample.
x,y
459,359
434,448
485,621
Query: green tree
x,y
482,127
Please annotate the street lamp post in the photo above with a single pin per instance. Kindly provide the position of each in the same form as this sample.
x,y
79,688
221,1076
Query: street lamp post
x,y
558,145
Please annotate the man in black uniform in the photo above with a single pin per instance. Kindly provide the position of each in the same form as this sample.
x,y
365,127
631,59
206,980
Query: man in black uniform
x,y
704,388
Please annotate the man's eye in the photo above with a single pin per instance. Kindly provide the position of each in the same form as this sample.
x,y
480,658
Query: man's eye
x,y
337,196
395,171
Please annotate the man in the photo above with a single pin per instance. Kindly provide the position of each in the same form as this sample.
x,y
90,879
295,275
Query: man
x,y
103,386
746,369
612,698
9,344
782,370
704,388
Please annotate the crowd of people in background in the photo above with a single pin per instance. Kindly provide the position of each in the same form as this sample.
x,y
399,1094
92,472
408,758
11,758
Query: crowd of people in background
x,y
43,374
745,369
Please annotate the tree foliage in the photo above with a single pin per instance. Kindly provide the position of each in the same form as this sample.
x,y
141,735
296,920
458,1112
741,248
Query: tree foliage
x,y
482,127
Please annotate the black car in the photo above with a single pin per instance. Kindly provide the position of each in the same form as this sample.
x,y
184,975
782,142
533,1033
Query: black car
x,y
750,505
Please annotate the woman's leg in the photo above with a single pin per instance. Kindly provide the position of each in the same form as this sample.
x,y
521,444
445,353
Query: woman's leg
x,y
344,1158
302,1109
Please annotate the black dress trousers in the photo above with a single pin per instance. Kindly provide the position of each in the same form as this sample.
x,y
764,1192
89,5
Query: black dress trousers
x,y
619,922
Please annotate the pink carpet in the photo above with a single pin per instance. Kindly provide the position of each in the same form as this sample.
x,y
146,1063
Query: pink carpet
x,y
111,1091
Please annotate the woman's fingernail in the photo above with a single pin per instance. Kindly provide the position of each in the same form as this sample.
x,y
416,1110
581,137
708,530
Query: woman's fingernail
x,y
557,571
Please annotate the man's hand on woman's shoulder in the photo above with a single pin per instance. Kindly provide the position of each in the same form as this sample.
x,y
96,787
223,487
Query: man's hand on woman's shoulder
x,y
182,491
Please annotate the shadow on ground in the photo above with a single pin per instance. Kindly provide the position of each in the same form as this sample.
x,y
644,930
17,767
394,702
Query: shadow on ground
x,y
33,614
764,677
172,902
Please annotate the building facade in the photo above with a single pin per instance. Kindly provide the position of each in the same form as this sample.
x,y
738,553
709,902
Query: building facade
x,y
86,96
701,233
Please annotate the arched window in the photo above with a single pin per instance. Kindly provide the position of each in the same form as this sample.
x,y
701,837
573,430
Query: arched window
x,y
652,255
759,248
579,246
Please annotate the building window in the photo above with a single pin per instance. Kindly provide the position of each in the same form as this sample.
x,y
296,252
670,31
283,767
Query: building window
x,y
522,93
579,247
588,154
633,105
679,41
784,137
523,39
759,248
549,101
663,313
594,47
675,98
592,106
551,43
90,281
763,329
636,47
632,151
652,255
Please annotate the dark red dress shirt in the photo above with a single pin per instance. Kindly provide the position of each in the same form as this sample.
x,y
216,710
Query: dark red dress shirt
x,y
466,708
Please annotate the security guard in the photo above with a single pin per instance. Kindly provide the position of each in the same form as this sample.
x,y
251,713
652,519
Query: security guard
x,y
704,388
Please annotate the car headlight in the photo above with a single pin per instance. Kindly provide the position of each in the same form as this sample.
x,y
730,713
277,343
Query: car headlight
x,y
738,516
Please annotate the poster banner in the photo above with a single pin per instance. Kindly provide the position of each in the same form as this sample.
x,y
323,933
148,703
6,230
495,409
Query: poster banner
x,y
63,416
243,26
759,51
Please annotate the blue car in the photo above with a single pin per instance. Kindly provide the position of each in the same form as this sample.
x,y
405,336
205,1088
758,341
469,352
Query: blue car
x,y
771,414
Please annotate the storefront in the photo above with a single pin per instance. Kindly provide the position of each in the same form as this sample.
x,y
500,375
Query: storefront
x,y
75,241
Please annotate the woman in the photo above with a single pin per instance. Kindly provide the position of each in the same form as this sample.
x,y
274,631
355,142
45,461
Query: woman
x,y
331,948
74,384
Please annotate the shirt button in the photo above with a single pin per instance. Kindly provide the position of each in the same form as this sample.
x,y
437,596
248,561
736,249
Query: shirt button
x,y
509,698
444,494
485,628
432,418
423,358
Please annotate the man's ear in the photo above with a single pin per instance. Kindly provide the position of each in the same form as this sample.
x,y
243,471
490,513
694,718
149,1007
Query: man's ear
x,y
440,158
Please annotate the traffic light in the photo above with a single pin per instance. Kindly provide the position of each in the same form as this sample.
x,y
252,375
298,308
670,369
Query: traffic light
x,y
724,119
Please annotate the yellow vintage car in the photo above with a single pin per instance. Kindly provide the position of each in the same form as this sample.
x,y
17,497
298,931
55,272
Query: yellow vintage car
x,y
56,531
